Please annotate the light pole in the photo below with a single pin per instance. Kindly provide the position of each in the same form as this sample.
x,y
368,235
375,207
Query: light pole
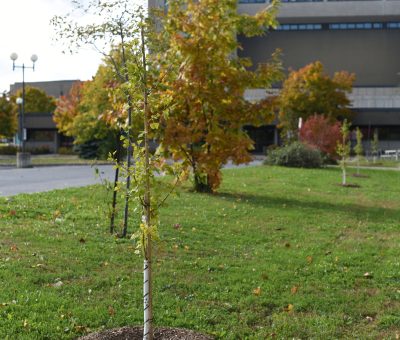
x,y
23,158
19,101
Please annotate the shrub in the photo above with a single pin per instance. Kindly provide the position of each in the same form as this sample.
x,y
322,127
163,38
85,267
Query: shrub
x,y
8,150
87,150
39,150
63,150
322,133
295,155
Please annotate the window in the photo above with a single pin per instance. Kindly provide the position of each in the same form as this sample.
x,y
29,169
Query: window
x,y
392,25
356,26
40,135
299,27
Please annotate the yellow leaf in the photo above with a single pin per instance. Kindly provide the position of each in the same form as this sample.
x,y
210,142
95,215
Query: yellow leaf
x,y
289,308
154,126
257,291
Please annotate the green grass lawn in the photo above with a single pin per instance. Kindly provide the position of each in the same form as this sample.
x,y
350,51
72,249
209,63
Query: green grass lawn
x,y
277,253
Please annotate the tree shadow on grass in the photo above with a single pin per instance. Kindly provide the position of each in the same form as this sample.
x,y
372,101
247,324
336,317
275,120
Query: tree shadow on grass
x,y
375,214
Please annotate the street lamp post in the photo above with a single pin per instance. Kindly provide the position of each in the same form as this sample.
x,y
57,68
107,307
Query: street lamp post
x,y
23,157
19,101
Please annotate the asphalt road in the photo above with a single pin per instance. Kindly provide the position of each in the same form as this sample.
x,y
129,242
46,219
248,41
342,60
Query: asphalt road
x,y
16,181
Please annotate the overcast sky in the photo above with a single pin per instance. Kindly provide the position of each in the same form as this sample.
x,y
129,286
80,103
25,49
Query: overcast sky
x,y
25,29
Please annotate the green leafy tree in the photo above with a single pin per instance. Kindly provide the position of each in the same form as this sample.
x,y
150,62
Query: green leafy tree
x,y
358,149
148,192
205,85
36,100
140,87
311,91
111,33
343,149
8,117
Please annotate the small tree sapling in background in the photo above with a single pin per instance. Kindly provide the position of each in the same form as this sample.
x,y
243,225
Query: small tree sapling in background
x,y
358,149
375,146
111,32
343,149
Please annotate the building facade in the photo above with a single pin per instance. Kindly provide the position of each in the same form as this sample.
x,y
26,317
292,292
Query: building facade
x,y
359,36
41,132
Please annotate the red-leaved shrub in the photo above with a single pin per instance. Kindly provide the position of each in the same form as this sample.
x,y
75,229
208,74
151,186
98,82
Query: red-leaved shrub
x,y
321,133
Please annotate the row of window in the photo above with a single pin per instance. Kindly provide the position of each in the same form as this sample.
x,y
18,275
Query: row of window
x,y
339,26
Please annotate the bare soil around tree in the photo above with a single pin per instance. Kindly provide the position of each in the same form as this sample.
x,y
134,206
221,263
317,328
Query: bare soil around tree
x,y
136,333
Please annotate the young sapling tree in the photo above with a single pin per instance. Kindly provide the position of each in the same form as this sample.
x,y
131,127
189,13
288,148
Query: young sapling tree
x,y
358,149
110,34
375,146
343,149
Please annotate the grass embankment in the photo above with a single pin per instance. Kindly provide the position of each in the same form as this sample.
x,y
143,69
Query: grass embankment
x,y
283,253
53,159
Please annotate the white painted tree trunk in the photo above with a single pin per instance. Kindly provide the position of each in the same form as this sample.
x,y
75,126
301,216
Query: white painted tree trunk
x,y
148,312
343,173
147,279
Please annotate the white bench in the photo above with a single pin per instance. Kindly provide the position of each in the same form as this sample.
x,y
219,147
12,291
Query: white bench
x,y
391,154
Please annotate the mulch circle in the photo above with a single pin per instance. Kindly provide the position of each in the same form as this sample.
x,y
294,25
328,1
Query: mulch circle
x,y
349,185
136,333
360,176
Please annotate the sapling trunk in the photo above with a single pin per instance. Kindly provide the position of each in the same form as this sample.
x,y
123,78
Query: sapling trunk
x,y
343,172
129,149
147,270
116,178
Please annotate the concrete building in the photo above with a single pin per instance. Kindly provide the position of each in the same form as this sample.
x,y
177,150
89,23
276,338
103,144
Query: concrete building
x,y
359,36
41,131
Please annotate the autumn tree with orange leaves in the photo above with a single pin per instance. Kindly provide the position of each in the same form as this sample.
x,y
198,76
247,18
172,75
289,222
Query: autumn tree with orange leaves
x,y
93,111
205,83
310,91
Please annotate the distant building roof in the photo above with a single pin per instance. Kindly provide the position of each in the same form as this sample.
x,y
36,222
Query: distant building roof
x,y
55,88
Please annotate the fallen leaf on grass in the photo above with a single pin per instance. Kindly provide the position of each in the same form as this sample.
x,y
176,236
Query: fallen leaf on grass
x,y
257,291
289,308
309,259
294,289
58,284
81,329
56,214
14,248
39,265
12,213
111,311
368,275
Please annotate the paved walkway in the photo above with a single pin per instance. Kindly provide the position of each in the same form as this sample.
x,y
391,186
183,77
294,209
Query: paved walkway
x,y
15,181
